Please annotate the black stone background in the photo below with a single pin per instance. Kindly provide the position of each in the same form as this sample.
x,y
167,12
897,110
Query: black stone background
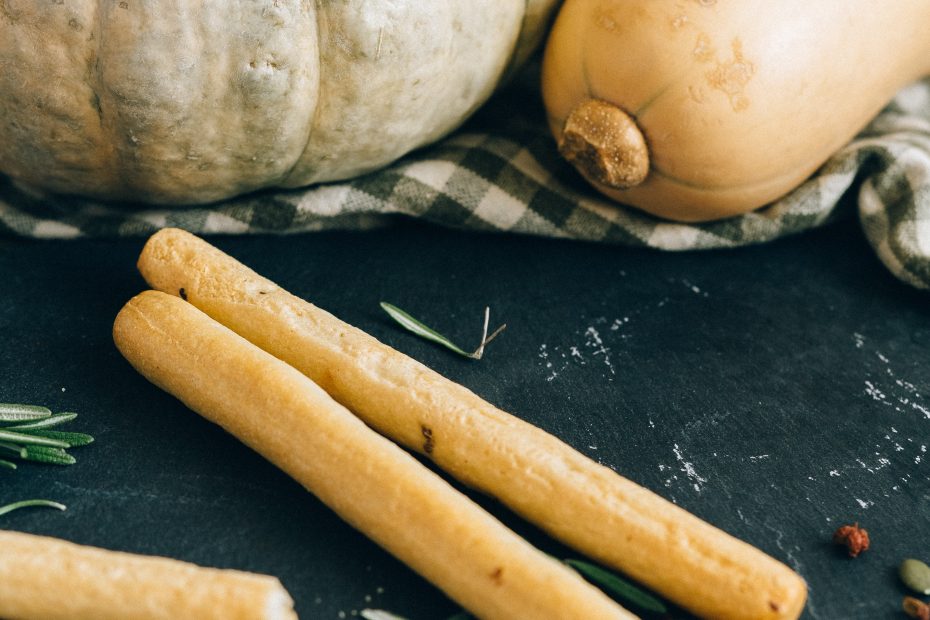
x,y
789,379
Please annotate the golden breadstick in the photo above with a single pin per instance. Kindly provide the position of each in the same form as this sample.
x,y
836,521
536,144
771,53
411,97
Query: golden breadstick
x,y
584,504
367,479
45,578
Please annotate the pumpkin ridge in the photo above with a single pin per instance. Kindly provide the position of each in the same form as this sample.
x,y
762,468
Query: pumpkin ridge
x,y
282,180
94,82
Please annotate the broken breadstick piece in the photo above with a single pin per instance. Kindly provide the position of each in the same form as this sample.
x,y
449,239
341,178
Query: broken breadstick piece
x,y
586,505
44,578
366,479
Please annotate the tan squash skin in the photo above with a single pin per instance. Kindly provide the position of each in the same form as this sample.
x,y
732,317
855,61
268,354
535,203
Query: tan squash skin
x,y
738,101
183,101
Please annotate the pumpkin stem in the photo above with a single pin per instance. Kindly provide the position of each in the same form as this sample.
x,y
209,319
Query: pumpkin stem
x,y
605,145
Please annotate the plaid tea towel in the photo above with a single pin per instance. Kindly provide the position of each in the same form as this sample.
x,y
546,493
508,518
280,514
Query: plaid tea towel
x,y
501,172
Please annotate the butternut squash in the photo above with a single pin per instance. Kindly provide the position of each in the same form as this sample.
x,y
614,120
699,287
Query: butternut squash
x,y
177,101
696,110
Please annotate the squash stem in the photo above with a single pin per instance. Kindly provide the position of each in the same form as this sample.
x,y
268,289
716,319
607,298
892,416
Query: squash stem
x,y
604,143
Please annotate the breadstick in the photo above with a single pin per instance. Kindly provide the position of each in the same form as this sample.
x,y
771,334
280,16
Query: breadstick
x,y
45,578
366,479
584,504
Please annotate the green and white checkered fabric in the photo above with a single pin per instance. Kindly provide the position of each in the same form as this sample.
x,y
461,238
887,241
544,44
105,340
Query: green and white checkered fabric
x,y
501,172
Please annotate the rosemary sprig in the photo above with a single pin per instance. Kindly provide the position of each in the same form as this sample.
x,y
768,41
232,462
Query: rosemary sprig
x,y
75,440
10,412
12,449
25,435
602,578
380,614
52,456
26,503
47,422
415,326
25,439
618,586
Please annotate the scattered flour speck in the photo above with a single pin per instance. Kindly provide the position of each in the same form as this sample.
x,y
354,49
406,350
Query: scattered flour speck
x,y
544,356
688,468
594,342
875,393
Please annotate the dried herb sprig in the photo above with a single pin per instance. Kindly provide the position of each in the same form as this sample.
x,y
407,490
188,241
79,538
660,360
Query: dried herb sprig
x,y
618,586
604,579
27,503
417,327
380,614
25,434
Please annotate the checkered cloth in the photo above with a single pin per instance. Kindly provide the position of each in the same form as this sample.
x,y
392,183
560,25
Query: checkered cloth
x,y
501,172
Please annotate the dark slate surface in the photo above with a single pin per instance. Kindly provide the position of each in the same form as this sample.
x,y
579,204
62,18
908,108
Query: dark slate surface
x,y
776,391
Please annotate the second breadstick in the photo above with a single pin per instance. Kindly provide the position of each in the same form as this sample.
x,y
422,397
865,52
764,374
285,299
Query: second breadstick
x,y
366,479
586,505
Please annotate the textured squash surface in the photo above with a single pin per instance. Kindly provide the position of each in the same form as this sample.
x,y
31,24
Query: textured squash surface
x,y
737,101
176,101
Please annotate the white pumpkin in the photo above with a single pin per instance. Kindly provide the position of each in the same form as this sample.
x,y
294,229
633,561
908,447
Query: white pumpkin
x,y
190,101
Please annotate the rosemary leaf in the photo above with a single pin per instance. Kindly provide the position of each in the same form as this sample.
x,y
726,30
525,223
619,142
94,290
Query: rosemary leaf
x,y
48,422
12,449
415,326
619,587
26,503
52,456
7,464
22,438
412,325
379,614
10,412
75,440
